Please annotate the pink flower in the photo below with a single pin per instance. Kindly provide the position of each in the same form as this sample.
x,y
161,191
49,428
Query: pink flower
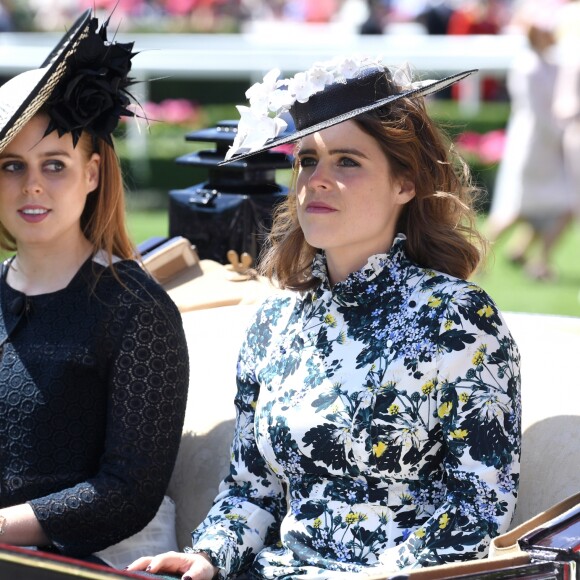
x,y
487,148
152,111
176,111
469,142
171,111
492,146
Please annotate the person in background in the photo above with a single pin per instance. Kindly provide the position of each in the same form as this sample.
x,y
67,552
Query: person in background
x,y
378,401
435,16
533,189
566,105
377,19
6,18
474,17
93,357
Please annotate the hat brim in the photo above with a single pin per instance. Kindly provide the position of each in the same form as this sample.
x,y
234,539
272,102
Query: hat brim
x,y
22,96
422,91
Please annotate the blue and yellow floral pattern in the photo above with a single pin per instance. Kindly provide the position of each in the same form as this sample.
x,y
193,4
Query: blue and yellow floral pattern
x,y
378,424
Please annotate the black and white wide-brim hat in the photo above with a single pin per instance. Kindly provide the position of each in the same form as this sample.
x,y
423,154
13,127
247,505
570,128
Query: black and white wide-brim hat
x,y
22,96
325,95
82,85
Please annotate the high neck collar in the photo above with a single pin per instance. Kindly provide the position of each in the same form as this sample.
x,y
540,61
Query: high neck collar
x,y
359,284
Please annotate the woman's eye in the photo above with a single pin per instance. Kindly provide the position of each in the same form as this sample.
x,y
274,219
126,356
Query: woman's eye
x,y
54,166
12,166
307,162
348,162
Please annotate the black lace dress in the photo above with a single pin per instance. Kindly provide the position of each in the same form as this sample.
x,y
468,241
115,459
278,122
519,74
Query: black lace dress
x,y
93,388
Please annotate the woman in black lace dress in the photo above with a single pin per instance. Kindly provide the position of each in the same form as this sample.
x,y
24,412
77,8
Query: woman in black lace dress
x,y
93,357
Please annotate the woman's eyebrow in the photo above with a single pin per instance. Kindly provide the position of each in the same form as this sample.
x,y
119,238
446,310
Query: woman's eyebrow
x,y
338,151
56,153
348,151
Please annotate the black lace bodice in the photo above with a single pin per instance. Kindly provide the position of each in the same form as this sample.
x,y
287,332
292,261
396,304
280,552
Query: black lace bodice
x,y
93,388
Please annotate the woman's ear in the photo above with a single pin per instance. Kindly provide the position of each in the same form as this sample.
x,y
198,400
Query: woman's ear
x,y
406,190
93,172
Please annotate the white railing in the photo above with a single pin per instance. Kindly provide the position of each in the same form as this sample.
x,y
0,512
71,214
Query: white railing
x,y
290,47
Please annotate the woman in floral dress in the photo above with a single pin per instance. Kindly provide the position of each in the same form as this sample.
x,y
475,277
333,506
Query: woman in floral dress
x,y
378,405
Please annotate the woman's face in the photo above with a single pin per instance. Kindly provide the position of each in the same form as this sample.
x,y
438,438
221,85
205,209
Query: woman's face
x,y
44,183
348,200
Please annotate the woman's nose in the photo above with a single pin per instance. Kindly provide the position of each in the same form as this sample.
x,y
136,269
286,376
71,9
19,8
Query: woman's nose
x,y
32,185
320,177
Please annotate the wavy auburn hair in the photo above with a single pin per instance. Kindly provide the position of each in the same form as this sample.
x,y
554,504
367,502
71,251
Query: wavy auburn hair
x,y
439,222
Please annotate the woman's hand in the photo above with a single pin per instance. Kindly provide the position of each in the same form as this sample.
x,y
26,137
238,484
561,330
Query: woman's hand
x,y
190,566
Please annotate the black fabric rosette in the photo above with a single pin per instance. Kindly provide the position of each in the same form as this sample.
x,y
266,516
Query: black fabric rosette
x,y
92,95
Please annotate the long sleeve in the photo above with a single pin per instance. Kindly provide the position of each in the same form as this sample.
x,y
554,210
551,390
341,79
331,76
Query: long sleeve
x,y
477,394
249,507
143,360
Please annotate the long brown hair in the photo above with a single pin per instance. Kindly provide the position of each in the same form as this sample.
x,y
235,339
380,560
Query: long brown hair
x,y
439,222
103,219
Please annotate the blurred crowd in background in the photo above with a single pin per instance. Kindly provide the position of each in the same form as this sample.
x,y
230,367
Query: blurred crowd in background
x,y
364,16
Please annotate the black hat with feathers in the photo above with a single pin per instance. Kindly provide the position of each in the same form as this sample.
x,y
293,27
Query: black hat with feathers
x,y
82,86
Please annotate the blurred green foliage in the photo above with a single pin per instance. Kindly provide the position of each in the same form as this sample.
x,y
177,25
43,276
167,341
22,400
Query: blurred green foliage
x,y
455,119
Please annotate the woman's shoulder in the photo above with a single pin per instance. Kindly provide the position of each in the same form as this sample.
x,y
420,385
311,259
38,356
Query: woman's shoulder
x,y
275,308
431,278
278,299
126,271
462,302
127,279
438,286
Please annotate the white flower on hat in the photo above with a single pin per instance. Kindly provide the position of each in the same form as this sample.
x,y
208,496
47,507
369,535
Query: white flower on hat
x,y
402,76
320,76
274,97
301,87
254,129
259,93
280,101
349,67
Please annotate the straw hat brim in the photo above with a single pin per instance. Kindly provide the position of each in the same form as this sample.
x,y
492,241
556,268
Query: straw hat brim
x,y
22,96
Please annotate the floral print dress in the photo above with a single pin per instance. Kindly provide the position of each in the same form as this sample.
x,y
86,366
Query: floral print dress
x,y
378,424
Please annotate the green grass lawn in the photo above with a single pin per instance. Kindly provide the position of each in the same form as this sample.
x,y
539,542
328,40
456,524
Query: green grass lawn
x,y
147,224
506,283
513,290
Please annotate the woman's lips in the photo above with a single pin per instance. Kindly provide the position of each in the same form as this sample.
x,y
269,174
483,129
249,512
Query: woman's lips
x,y
318,207
33,214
